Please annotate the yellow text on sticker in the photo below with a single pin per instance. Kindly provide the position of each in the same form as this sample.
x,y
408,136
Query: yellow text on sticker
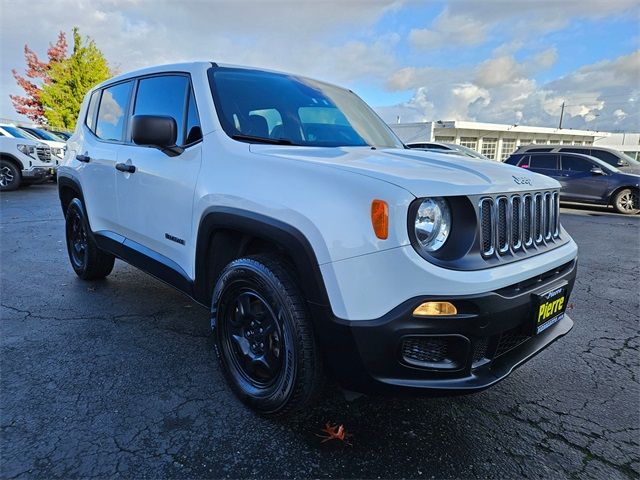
x,y
549,309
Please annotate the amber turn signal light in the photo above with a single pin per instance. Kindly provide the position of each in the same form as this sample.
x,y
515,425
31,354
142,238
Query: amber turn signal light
x,y
380,218
429,309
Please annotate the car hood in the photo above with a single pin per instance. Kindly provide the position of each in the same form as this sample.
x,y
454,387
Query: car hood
x,y
421,173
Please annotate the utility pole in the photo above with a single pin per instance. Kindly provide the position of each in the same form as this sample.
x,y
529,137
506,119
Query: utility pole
x,y
561,115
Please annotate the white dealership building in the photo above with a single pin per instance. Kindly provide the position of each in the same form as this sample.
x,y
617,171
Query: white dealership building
x,y
498,141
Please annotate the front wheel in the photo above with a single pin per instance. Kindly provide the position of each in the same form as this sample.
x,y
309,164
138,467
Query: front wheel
x,y
9,176
87,260
264,336
626,201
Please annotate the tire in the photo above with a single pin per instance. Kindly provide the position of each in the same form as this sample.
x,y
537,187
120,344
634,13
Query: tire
x,y
87,260
264,337
626,201
10,176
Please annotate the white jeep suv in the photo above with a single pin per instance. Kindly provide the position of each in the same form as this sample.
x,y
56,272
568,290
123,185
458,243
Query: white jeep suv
x,y
24,161
320,244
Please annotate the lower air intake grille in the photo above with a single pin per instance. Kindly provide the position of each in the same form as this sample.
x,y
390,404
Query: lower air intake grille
x,y
510,340
424,350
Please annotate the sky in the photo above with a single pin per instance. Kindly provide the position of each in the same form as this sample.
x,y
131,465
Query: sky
x,y
512,62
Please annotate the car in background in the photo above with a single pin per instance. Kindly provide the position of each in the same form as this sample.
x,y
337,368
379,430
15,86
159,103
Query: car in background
x,y
59,133
23,161
58,145
584,178
611,156
448,148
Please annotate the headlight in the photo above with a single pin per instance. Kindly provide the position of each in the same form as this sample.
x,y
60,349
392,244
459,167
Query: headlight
x,y
29,150
432,223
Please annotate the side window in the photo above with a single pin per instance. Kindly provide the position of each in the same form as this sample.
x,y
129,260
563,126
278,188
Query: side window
x,y
273,120
544,161
575,164
605,156
112,112
524,163
164,95
193,131
90,120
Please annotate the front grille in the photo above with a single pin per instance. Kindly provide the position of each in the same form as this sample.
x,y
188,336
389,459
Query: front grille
x,y
44,154
511,223
510,340
424,349
480,349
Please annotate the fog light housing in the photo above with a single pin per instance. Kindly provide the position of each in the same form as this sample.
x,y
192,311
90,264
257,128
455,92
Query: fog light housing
x,y
435,309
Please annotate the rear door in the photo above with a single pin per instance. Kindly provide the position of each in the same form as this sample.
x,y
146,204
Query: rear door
x,y
579,183
155,203
104,131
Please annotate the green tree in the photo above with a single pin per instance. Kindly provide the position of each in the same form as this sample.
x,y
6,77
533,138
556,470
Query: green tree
x,y
70,80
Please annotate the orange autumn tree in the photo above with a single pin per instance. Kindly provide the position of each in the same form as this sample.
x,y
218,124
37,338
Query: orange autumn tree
x,y
35,77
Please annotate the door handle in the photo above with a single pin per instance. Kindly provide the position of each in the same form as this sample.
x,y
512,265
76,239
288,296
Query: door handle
x,y
123,167
83,158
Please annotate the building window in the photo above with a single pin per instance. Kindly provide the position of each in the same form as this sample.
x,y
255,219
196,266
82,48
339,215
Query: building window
x,y
567,142
541,141
445,139
489,147
470,142
554,142
588,143
526,141
578,142
508,147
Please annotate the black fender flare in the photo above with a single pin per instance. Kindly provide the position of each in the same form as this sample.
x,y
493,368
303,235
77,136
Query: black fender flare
x,y
69,183
294,242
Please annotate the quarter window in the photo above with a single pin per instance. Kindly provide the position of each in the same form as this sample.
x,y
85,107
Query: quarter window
x,y
164,95
91,111
111,114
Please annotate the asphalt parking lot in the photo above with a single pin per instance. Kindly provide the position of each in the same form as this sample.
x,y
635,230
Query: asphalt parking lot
x,y
118,379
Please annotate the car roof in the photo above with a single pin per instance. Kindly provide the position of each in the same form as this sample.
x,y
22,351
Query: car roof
x,y
193,67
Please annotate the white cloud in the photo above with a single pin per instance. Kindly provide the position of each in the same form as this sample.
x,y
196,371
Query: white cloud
x,y
449,30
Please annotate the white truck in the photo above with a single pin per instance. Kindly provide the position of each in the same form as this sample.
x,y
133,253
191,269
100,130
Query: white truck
x,y
320,244
24,161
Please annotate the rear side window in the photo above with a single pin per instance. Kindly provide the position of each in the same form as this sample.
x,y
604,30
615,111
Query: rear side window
x,y
524,163
164,95
548,162
112,112
90,120
575,164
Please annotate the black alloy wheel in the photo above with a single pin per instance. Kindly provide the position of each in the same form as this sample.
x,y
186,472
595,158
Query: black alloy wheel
x,y
264,336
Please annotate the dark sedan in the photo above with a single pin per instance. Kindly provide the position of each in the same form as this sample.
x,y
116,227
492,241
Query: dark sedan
x,y
585,179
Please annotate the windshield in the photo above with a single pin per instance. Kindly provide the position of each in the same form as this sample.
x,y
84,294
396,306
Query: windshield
x,y
44,135
17,133
265,107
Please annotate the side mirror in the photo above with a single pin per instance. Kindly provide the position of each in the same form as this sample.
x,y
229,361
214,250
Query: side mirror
x,y
622,163
156,131
597,171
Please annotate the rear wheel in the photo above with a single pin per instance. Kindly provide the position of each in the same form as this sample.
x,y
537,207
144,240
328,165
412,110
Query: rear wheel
x,y
10,177
264,336
87,260
626,201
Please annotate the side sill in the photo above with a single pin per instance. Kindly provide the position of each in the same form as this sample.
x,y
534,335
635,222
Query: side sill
x,y
145,259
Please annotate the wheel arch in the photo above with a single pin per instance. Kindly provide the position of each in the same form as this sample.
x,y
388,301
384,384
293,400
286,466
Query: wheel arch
x,y
225,234
10,158
617,190
68,189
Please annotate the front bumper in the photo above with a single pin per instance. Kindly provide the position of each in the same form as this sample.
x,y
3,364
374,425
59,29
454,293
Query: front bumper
x,y
39,173
489,337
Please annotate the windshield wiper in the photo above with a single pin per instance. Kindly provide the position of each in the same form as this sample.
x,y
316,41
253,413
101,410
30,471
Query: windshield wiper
x,y
275,141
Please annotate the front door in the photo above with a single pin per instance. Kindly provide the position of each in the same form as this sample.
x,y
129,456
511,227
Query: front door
x,y
579,183
155,201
